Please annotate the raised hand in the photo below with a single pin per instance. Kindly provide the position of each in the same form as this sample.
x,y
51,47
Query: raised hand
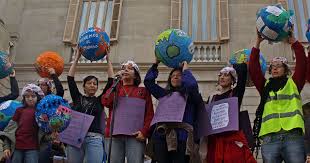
x,y
13,73
51,71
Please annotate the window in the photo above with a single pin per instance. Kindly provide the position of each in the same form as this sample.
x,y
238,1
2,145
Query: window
x,y
203,20
300,18
83,14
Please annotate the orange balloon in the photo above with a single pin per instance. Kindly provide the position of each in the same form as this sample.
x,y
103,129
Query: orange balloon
x,y
46,60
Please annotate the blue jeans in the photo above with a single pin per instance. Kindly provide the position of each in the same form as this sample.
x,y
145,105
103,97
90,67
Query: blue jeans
x,y
92,148
25,156
284,146
128,147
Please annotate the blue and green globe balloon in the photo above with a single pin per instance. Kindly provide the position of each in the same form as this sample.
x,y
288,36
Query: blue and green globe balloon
x,y
274,22
6,66
243,56
7,110
53,113
174,46
94,43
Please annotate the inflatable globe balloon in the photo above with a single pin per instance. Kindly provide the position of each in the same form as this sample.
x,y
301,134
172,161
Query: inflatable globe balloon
x,y
53,114
7,110
174,46
274,23
243,56
94,43
6,67
46,60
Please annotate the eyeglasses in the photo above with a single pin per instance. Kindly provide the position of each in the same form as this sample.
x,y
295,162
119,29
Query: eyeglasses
x,y
223,74
276,65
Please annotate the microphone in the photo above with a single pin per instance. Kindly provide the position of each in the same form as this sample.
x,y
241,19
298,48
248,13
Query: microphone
x,y
117,79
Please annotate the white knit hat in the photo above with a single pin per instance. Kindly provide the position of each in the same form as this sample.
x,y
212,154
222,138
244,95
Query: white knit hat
x,y
33,88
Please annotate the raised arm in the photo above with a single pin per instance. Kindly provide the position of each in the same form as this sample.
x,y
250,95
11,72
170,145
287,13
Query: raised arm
x,y
150,84
242,73
256,73
189,82
299,75
58,85
74,91
110,77
14,89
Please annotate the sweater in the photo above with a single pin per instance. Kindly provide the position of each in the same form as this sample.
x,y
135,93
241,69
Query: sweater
x,y
189,87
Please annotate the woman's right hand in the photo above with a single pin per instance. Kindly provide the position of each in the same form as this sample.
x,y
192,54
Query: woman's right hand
x,y
157,61
7,153
13,73
259,39
77,52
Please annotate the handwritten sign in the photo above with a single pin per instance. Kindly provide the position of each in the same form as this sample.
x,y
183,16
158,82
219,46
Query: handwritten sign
x,y
129,115
218,117
75,133
170,108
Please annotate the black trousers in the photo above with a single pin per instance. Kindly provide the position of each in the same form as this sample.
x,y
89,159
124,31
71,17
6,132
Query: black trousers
x,y
163,156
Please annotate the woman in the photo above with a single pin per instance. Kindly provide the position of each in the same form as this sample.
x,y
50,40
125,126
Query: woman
x,y
129,145
92,149
46,85
14,89
230,146
49,149
279,114
180,80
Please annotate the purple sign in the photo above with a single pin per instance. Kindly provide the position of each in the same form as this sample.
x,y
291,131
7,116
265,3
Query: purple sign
x,y
170,108
75,133
129,116
218,117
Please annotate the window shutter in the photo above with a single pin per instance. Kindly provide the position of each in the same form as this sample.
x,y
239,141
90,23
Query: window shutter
x,y
223,20
176,8
116,16
72,16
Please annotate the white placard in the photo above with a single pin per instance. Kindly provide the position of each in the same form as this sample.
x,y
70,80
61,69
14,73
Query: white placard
x,y
270,33
260,24
219,116
274,10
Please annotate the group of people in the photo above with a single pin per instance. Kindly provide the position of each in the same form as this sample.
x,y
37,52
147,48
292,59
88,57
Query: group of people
x,y
278,126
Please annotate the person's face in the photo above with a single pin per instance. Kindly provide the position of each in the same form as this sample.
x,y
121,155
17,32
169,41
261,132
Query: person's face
x,y
225,80
91,87
128,72
30,98
176,78
44,87
277,69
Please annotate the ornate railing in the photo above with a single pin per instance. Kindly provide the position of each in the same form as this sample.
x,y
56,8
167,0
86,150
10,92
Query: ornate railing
x,y
207,52
203,52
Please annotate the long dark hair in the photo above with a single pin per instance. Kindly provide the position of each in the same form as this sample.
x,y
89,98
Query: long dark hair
x,y
170,89
137,80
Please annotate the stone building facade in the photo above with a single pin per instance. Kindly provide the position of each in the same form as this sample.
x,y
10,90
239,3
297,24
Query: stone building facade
x,y
219,27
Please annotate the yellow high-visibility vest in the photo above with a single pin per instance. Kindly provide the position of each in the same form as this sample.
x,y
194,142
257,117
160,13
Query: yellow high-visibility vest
x,y
283,110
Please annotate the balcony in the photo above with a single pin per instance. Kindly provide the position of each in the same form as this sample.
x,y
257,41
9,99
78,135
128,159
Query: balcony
x,y
204,52
207,52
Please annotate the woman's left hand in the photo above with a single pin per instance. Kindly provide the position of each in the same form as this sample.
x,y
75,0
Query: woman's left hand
x,y
139,136
185,65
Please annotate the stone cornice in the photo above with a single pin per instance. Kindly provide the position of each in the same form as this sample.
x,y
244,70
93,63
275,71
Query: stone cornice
x,y
210,66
